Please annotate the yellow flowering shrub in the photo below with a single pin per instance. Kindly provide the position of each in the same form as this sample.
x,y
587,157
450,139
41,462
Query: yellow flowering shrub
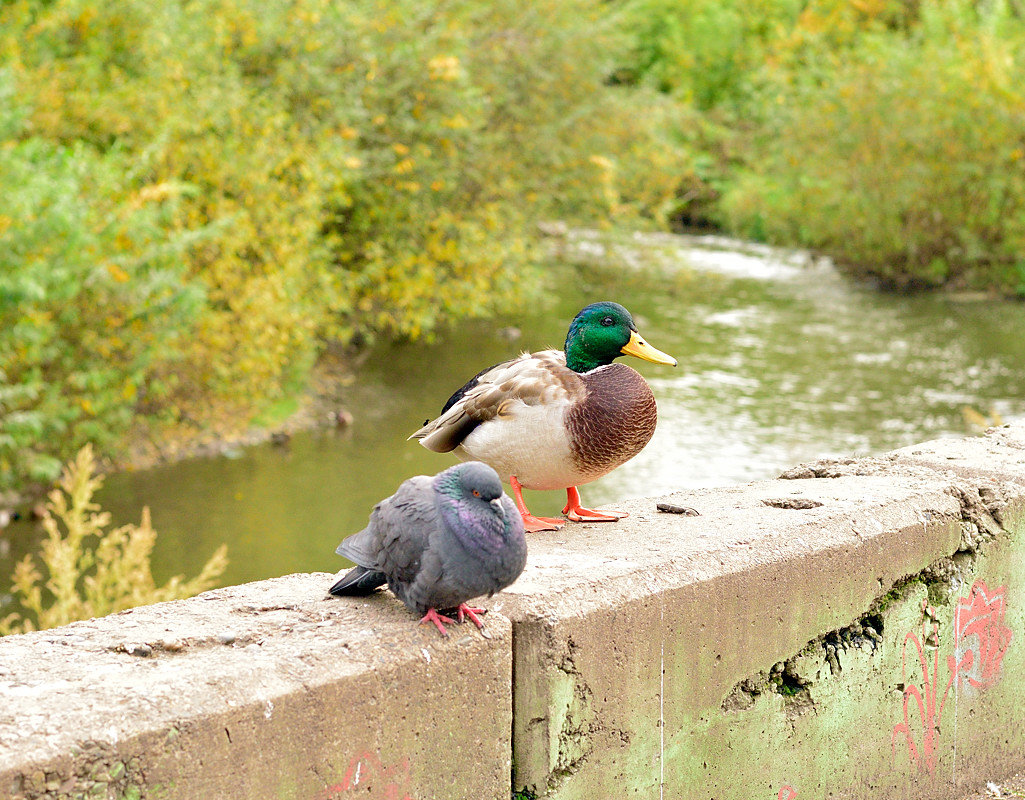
x,y
251,181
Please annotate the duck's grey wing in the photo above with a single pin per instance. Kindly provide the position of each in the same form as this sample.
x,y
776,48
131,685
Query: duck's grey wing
x,y
388,550
362,549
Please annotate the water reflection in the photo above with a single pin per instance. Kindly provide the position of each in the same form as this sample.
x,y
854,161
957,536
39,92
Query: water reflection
x,y
780,361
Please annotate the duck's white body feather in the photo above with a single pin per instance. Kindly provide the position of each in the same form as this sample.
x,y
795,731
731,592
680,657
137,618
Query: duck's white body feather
x,y
528,441
519,418
517,412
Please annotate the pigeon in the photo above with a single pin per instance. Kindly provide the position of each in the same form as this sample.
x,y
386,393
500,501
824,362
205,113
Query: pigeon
x,y
438,542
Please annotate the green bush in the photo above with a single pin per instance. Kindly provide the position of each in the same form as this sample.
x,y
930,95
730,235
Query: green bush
x,y
91,301
705,51
906,161
883,132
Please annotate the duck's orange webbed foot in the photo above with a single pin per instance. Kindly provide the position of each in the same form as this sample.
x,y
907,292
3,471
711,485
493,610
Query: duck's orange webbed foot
x,y
577,513
532,524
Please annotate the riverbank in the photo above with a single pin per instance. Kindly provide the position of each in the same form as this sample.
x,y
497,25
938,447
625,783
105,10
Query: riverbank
x,y
203,197
317,406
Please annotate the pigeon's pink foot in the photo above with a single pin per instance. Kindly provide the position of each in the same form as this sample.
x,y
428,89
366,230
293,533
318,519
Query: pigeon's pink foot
x,y
468,611
532,524
576,513
439,620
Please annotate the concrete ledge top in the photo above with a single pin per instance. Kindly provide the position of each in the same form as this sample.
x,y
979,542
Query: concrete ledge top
x,y
158,665
739,528
1000,454
845,505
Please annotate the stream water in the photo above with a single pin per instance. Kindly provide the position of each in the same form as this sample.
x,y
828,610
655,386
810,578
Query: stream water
x,y
781,360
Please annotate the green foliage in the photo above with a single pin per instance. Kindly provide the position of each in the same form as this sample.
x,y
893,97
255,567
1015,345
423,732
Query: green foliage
x,y
198,196
91,298
883,132
705,51
905,159
91,580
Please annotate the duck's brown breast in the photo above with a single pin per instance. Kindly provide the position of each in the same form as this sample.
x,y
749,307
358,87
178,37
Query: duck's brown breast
x,y
615,420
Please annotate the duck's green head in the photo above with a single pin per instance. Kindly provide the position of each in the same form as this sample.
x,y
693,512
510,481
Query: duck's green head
x,y
602,332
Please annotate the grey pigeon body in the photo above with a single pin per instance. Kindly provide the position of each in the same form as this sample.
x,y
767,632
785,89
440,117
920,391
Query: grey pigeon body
x,y
438,541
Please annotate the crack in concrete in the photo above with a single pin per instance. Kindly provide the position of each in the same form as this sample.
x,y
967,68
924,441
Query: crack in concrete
x,y
981,522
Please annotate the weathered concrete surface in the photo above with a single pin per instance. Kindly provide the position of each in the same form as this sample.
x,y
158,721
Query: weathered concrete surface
x,y
854,631
999,455
762,649
266,690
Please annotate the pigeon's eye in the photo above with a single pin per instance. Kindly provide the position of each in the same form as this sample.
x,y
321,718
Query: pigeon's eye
x,y
476,493
608,322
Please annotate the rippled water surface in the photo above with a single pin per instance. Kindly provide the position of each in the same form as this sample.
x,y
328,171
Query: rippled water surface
x,y
781,360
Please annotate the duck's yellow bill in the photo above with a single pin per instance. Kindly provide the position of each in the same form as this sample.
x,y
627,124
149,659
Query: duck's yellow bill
x,y
640,348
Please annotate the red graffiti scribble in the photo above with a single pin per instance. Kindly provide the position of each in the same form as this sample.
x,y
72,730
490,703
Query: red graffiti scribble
x,y
980,633
980,641
387,782
792,795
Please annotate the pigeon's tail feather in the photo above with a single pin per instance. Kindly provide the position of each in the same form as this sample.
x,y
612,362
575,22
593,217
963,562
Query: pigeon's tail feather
x,y
361,548
358,581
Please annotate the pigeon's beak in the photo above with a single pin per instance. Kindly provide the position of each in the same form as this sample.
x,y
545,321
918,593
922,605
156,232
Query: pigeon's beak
x,y
499,508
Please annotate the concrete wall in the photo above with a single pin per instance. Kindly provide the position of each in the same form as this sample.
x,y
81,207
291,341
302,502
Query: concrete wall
x,y
856,629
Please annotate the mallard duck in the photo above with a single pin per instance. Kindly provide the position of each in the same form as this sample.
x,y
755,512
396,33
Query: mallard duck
x,y
556,419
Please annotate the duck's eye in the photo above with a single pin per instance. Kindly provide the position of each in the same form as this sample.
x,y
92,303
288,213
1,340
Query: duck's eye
x,y
608,322
476,493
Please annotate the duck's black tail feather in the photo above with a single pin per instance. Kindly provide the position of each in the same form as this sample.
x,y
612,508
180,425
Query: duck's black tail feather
x,y
358,581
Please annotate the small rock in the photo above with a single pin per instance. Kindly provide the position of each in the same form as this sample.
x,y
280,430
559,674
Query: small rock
x,y
799,472
553,227
140,649
226,637
341,417
672,508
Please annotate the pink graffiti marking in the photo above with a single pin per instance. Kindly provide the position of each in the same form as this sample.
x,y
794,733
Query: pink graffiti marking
x,y
980,640
929,711
387,782
790,793
980,633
